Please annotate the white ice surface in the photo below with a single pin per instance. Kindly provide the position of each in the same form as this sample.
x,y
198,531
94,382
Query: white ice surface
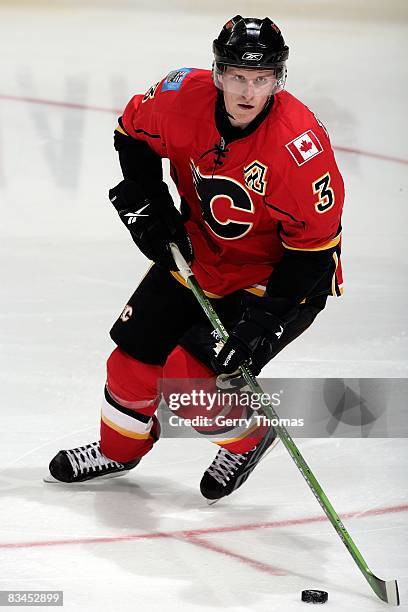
x,y
67,268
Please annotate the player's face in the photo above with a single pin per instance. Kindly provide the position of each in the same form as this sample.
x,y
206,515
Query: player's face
x,y
246,92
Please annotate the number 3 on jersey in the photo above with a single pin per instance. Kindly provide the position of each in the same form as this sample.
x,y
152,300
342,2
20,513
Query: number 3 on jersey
x,y
326,194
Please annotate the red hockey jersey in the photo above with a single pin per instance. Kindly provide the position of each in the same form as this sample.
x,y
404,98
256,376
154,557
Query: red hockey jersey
x,y
277,188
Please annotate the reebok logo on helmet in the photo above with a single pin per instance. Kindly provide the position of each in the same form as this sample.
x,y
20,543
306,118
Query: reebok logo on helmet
x,y
252,56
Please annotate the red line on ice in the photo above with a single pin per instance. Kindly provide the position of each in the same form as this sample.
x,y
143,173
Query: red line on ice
x,y
195,533
78,106
391,158
259,565
100,109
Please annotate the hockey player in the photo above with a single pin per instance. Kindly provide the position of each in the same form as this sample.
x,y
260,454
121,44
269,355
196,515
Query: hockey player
x,y
260,222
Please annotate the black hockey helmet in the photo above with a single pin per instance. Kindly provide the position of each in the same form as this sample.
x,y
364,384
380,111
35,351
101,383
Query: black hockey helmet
x,y
248,42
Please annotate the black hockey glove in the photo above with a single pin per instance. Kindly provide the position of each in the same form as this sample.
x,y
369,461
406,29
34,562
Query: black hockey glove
x,y
255,337
152,221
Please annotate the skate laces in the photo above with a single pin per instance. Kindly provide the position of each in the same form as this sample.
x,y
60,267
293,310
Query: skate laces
x,y
225,465
89,457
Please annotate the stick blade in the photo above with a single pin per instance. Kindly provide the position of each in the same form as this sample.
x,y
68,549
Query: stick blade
x,y
391,588
387,590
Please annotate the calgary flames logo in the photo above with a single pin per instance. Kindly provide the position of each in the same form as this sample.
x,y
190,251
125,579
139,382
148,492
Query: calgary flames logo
x,y
254,176
226,205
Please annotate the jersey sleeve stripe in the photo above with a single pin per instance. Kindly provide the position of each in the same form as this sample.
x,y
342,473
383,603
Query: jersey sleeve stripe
x,y
283,212
140,131
324,247
120,129
258,290
336,262
337,290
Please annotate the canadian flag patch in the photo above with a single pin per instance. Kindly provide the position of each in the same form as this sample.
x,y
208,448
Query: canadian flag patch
x,y
304,147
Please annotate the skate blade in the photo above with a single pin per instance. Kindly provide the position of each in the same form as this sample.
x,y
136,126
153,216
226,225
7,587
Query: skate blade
x,y
49,479
211,502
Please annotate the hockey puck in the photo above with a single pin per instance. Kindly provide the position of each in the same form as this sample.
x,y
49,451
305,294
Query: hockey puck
x,y
315,597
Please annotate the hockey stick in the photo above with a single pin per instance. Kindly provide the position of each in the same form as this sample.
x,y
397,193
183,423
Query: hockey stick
x,y
387,590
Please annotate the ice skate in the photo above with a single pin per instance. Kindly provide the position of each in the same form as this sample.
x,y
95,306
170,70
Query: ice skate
x,y
85,463
229,471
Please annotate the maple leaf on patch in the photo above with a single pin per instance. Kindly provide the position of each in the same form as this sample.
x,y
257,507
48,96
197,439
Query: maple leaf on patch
x,y
305,146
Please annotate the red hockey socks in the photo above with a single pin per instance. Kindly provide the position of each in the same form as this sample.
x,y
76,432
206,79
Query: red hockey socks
x,y
128,427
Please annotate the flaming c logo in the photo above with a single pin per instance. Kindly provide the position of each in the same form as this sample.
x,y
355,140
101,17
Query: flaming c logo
x,y
226,205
